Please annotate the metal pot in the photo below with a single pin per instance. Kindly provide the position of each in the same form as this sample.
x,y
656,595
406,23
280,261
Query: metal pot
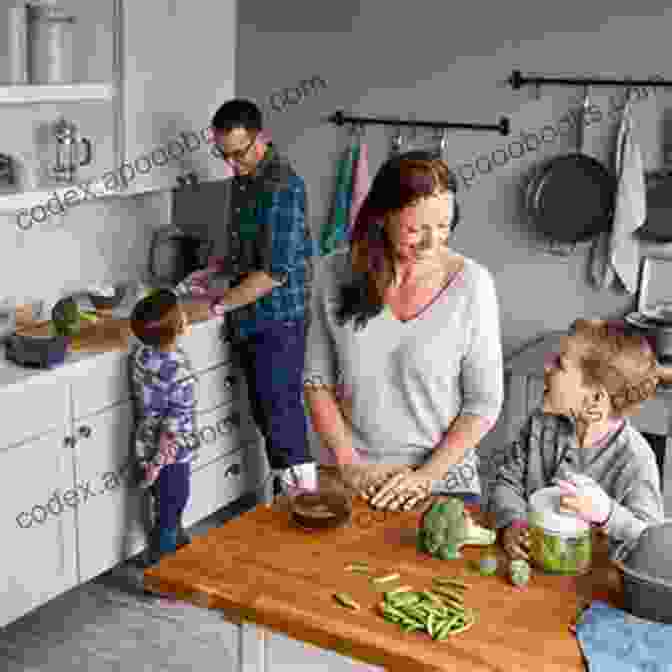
x,y
647,575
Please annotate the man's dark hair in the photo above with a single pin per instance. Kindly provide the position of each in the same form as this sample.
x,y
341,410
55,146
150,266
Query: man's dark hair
x,y
237,113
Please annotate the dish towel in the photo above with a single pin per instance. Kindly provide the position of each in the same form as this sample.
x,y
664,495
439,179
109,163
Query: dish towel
x,y
622,249
612,640
337,227
361,183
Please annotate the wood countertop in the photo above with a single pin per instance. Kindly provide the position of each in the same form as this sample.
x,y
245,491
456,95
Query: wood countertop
x,y
108,333
261,568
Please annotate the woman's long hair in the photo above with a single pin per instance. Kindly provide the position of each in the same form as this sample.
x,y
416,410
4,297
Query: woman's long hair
x,y
401,181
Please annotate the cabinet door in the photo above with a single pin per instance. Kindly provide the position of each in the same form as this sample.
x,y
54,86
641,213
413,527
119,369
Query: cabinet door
x,y
37,526
177,69
110,525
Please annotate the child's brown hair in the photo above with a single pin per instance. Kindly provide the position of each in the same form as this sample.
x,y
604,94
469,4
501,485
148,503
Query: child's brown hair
x,y
157,319
622,360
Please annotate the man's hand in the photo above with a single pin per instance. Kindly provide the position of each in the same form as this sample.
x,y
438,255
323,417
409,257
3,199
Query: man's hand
x,y
404,490
361,477
516,542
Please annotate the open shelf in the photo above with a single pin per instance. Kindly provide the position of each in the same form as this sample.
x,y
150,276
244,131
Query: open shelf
x,y
29,94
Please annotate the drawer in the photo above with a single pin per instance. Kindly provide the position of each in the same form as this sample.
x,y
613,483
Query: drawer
x,y
217,386
33,408
100,382
217,485
207,346
221,432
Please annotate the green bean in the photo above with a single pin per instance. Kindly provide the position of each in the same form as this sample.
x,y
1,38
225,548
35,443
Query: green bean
x,y
444,580
430,625
401,589
407,600
385,579
447,592
347,601
359,565
443,631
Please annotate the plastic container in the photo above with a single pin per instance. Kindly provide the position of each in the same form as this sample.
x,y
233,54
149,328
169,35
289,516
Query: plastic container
x,y
560,543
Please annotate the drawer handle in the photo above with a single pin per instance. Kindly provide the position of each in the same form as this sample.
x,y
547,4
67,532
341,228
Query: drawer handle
x,y
226,425
233,470
84,431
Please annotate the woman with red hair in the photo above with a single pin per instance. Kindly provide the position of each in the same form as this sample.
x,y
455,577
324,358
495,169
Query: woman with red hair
x,y
404,371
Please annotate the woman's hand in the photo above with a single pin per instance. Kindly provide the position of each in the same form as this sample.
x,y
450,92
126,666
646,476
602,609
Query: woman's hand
x,y
404,490
516,542
362,477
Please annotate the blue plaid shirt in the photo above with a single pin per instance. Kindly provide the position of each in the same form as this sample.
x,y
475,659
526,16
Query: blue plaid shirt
x,y
283,246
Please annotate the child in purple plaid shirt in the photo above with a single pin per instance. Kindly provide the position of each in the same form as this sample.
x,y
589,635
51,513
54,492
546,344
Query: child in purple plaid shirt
x,y
164,391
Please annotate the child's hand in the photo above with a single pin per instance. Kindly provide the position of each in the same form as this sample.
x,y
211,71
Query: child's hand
x,y
586,498
516,542
167,447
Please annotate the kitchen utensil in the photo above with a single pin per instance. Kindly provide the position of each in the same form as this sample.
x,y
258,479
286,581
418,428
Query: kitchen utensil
x,y
560,541
50,45
68,143
7,177
660,314
639,320
647,575
174,255
321,510
571,198
38,351
103,299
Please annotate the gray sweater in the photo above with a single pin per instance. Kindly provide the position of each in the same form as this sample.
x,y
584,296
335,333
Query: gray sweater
x,y
406,382
624,465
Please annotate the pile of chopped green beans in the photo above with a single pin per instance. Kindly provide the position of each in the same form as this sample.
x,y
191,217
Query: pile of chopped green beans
x,y
439,612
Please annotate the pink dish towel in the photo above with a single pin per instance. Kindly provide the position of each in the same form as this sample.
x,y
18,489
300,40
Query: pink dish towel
x,y
361,183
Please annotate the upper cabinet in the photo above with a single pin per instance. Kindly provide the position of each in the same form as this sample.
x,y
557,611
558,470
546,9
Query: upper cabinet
x,y
178,67
147,76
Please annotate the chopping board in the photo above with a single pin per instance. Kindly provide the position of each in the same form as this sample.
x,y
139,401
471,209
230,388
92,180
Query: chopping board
x,y
261,568
105,335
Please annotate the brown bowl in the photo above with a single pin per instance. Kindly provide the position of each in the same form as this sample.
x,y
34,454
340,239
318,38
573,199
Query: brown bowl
x,y
320,510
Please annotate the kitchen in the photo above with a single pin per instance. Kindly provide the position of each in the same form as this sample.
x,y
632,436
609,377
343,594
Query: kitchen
x,y
455,70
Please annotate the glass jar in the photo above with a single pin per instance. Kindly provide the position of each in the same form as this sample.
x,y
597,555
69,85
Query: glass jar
x,y
560,542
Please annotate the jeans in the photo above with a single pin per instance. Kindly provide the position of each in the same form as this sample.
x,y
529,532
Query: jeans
x,y
273,361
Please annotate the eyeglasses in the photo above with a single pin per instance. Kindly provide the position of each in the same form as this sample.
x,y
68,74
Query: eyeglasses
x,y
236,155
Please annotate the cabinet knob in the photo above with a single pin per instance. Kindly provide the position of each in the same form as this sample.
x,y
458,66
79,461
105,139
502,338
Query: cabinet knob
x,y
69,441
233,470
226,425
84,431
229,381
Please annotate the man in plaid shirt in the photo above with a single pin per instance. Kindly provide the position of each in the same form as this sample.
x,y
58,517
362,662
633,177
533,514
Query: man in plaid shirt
x,y
270,257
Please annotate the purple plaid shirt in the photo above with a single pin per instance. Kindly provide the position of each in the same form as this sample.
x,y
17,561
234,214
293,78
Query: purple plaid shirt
x,y
164,389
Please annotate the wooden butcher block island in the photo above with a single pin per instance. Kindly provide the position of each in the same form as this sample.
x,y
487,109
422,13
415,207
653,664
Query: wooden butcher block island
x,y
261,569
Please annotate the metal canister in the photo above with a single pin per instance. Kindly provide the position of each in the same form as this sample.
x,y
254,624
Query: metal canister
x,y
50,39
17,41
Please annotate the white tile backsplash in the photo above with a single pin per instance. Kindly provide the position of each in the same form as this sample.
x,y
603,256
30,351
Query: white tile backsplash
x,y
103,241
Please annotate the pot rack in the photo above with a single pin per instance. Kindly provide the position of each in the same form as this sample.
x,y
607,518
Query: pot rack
x,y
340,119
518,80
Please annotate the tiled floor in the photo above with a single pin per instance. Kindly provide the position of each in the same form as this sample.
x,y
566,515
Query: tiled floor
x,y
109,624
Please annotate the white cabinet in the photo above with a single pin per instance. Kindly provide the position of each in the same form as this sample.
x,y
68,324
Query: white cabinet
x,y
37,525
177,66
110,525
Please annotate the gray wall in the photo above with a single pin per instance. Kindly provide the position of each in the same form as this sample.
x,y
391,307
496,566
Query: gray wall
x,y
449,61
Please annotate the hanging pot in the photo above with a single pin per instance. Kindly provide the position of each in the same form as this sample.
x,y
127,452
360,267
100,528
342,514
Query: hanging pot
x,y
571,198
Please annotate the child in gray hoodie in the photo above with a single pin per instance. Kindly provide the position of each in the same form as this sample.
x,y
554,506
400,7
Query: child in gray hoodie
x,y
582,440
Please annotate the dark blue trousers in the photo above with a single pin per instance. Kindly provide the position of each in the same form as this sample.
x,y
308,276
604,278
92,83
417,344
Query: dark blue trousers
x,y
273,362
171,491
